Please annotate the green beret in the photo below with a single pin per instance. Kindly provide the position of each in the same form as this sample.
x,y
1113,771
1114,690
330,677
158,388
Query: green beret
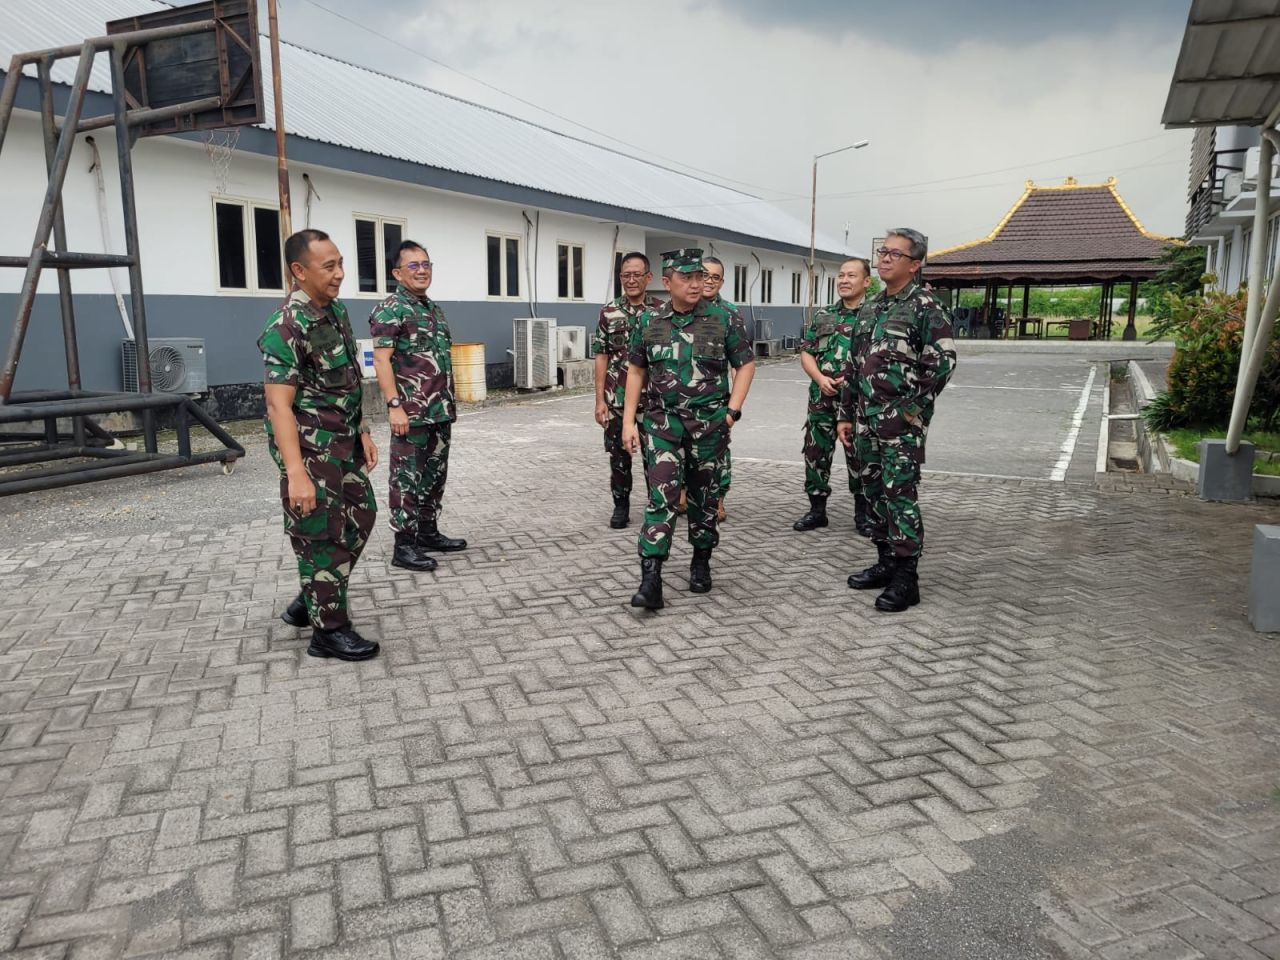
x,y
687,260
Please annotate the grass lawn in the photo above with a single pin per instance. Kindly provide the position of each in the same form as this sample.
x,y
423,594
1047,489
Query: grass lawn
x,y
1185,440
1141,322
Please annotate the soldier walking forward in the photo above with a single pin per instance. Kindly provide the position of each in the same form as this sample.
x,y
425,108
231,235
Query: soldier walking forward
x,y
712,284
319,442
411,344
611,344
824,351
903,356
680,357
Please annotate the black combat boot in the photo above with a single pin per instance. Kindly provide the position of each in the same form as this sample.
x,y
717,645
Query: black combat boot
x,y
903,590
295,615
861,515
649,595
878,574
621,512
410,556
817,515
700,570
430,538
342,644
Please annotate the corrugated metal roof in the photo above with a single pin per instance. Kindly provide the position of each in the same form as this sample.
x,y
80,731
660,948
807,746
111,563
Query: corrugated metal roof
x,y
331,101
1228,66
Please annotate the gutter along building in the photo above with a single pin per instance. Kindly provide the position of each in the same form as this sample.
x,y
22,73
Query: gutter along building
x,y
520,220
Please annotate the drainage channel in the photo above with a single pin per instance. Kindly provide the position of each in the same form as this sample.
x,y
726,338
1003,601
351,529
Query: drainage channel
x,y
1119,422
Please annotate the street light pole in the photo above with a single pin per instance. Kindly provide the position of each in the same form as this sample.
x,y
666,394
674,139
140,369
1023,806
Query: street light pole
x,y
813,222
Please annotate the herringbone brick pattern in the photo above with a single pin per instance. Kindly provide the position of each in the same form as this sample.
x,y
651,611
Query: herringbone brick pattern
x,y
533,769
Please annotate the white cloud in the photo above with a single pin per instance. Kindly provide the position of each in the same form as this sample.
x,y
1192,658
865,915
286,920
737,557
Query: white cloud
x,y
753,98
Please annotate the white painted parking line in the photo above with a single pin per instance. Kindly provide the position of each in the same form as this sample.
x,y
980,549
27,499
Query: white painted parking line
x,y
1069,445
942,473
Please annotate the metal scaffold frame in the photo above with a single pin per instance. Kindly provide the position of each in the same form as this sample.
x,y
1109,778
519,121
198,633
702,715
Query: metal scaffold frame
x,y
89,452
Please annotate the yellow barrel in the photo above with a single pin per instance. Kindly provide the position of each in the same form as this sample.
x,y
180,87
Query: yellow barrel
x,y
468,371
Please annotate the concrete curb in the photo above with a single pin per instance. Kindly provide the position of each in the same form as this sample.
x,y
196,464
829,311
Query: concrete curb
x,y
1095,350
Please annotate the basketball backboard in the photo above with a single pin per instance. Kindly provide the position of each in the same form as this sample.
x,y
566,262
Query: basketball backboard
x,y
222,63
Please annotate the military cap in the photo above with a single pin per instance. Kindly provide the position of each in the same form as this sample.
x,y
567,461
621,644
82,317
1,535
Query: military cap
x,y
686,260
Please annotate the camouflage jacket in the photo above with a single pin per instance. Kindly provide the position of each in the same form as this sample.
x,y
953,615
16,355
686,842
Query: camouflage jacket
x,y
312,349
687,356
417,330
828,338
612,337
903,356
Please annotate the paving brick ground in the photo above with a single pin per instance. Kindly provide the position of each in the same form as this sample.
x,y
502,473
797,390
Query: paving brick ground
x,y
1068,750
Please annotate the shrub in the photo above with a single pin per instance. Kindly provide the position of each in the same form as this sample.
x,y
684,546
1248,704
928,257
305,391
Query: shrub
x,y
1207,331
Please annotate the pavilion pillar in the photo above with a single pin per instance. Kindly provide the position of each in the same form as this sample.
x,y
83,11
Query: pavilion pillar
x,y
1026,299
1131,328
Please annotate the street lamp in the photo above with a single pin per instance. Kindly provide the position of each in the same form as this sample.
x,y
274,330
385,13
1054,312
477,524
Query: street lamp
x,y
813,219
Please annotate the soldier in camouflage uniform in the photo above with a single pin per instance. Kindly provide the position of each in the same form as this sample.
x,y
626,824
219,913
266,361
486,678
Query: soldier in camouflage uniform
x,y
610,344
680,357
320,443
712,284
903,356
411,344
824,351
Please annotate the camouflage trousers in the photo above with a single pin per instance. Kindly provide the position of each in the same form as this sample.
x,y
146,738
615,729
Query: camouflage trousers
x,y
418,468
819,450
328,541
682,452
619,458
725,475
890,474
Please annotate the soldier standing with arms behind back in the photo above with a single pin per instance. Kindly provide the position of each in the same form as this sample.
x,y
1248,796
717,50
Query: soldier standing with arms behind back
x,y
411,344
680,359
903,356
611,343
824,351
321,445
712,284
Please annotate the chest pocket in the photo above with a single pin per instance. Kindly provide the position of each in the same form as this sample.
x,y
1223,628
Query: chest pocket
x,y
619,335
823,330
330,357
899,328
708,338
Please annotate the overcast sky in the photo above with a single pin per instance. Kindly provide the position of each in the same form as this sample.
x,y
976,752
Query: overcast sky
x,y
962,100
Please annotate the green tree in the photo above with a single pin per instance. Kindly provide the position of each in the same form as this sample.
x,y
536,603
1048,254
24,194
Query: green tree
x,y
1182,275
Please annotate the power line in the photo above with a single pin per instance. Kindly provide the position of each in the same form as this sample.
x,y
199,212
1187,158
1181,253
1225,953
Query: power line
x,y
536,106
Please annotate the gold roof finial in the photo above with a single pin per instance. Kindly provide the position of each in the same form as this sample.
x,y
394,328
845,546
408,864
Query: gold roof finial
x,y
1069,182
1029,184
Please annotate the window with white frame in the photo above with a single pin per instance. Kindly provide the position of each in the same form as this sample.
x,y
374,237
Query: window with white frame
x,y
766,286
739,283
250,255
377,242
831,289
1273,244
569,268
795,286
1224,277
502,254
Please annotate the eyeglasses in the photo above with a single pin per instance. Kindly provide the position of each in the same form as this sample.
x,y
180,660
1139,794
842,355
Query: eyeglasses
x,y
714,277
894,255
417,265
631,276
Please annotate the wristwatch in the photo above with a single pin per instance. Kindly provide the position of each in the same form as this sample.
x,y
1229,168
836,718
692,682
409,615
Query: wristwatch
x,y
736,414
393,403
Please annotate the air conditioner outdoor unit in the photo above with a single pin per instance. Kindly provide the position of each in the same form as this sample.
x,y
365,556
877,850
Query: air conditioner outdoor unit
x,y
535,360
573,343
177,365
1250,173
1231,185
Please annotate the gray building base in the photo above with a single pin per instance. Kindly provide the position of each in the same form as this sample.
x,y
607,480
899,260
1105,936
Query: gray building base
x,y
1224,477
1264,579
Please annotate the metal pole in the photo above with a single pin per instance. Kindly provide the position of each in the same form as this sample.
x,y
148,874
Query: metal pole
x,y
70,348
1257,268
813,239
137,304
9,95
282,162
57,176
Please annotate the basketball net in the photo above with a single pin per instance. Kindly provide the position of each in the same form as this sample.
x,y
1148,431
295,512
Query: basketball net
x,y
220,145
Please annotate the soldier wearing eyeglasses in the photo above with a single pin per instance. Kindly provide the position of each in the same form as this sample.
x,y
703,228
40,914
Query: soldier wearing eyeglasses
x,y
610,344
824,352
902,357
712,284
411,344
680,358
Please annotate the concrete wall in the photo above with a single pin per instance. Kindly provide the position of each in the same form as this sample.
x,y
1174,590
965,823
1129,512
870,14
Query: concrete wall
x,y
176,191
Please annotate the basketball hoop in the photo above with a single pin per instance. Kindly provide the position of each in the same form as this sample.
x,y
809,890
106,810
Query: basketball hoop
x,y
220,146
